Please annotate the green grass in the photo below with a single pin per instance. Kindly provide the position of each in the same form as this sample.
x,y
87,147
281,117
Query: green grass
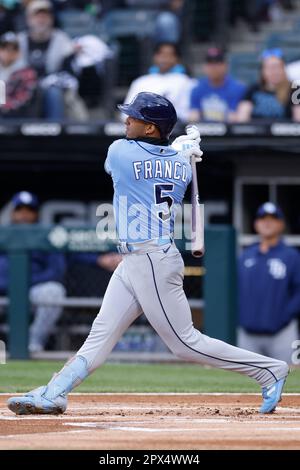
x,y
20,376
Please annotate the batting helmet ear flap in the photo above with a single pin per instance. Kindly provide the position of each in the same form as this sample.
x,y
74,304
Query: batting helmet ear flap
x,y
152,108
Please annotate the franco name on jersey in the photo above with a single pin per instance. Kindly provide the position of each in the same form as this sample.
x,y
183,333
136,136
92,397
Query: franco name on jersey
x,y
166,169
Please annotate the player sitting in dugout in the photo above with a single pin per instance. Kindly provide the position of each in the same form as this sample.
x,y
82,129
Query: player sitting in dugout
x,y
47,275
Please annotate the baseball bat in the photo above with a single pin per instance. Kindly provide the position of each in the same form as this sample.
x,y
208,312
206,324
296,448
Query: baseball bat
x,y
197,232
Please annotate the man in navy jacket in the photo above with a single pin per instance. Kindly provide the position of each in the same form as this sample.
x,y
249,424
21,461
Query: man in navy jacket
x,y
269,289
46,276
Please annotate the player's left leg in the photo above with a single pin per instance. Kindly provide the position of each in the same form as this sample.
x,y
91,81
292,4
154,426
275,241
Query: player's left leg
x,y
157,278
45,299
119,309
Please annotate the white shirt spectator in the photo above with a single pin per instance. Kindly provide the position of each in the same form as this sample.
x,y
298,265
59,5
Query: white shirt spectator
x,y
174,86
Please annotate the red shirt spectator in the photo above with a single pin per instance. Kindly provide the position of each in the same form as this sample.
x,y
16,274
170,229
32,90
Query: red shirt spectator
x,y
20,80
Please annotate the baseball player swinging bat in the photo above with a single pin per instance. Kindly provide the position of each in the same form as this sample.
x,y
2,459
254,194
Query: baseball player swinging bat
x,y
148,171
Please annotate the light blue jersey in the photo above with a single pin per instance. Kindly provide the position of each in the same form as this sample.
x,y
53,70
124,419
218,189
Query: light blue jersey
x,y
149,182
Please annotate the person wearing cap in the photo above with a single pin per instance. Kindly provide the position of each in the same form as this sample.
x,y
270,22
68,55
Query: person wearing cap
x,y
271,97
21,80
217,95
269,289
46,277
43,46
167,76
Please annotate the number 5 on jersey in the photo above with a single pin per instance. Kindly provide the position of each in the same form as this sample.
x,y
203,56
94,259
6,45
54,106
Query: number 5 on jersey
x,y
162,195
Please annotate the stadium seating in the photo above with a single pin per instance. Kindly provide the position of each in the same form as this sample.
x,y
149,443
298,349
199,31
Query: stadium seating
x,y
133,29
75,18
77,23
124,23
244,66
278,39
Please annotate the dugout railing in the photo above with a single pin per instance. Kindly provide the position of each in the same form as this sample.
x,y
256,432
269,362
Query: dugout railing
x,y
219,283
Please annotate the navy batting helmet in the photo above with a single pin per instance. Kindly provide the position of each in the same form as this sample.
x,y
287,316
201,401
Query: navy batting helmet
x,y
152,108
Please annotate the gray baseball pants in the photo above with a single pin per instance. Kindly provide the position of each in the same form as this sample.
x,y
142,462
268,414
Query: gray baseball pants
x,y
45,298
151,281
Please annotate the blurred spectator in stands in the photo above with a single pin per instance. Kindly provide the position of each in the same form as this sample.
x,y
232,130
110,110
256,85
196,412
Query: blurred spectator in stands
x,y
61,99
47,274
87,64
19,15
217,95
6,19
21,80
45,48
271,97
269,289
167,77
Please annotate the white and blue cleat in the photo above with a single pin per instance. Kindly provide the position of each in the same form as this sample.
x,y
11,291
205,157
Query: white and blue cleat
x,y
35,402
52,399
272,396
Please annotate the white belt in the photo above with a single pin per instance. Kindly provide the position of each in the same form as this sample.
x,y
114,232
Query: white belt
x,y
143,247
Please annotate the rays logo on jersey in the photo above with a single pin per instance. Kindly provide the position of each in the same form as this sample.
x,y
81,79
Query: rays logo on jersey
x,y
277,268
249,262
